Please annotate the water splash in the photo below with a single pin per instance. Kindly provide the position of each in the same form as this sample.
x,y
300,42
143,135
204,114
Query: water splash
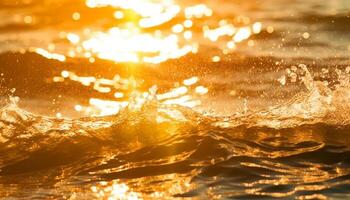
x,y
319,104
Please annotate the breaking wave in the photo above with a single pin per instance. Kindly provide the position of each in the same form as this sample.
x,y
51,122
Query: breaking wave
x,y
297,149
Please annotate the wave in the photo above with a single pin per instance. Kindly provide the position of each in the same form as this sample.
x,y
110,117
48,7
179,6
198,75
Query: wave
x,y
291,150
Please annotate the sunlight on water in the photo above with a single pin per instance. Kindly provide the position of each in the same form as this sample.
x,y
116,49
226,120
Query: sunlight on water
x,y
49,55
146,31
145,8
143,36
181,95
128,45
170,99
114,190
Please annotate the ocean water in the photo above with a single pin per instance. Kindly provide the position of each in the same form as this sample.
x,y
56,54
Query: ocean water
x,y
170,99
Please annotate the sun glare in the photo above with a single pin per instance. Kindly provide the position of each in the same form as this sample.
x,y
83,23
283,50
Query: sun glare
x,y
162,30
143,39
158,31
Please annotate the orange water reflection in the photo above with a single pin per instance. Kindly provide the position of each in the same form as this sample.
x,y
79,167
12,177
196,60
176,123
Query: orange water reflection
x,y
149,32
154,32
127,94
114,190
163,187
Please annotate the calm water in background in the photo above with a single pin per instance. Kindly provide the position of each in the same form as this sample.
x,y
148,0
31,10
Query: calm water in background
x,y
259,112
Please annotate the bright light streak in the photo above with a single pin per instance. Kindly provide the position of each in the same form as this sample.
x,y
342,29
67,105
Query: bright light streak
x,y
49,55
73,38
190,81
242,34
198,11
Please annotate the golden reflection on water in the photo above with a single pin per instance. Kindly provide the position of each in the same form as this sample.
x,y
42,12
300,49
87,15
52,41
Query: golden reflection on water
x,y
114,190
154,32
131,45
49,55
184,94
162,187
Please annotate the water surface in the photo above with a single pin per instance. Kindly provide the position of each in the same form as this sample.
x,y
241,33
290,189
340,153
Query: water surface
x,y
171,99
